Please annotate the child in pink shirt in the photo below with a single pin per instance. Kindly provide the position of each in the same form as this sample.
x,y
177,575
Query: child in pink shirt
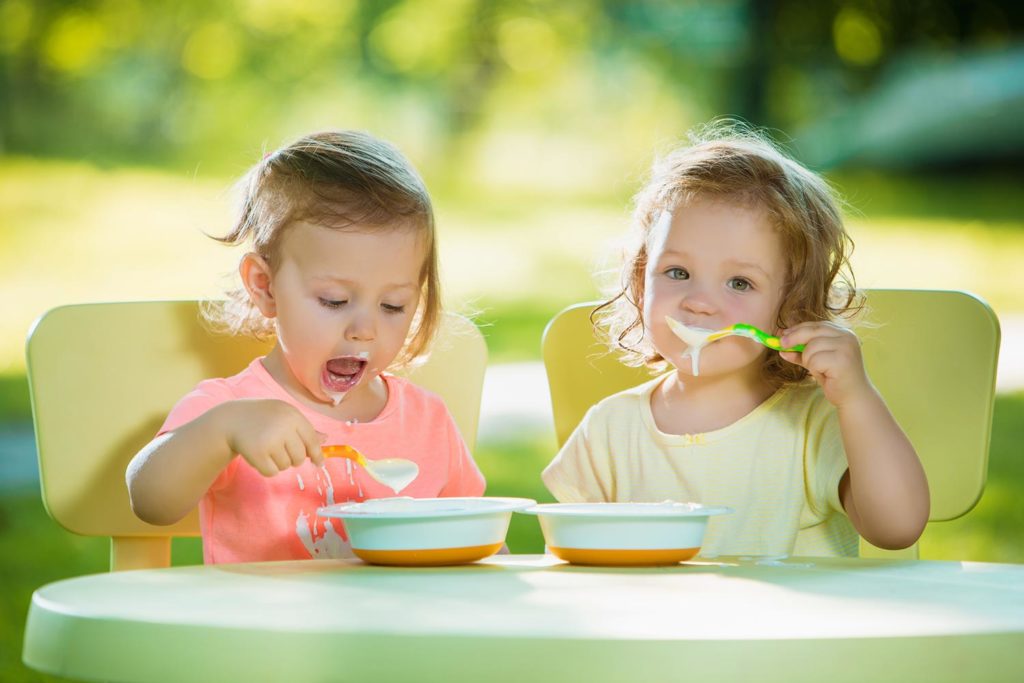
x,y
343,273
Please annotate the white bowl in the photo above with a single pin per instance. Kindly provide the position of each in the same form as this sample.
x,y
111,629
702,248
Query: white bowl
x,y
622,534
426,531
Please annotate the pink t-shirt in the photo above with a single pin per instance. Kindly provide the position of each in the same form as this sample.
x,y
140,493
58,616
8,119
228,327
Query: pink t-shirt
x,y
246,517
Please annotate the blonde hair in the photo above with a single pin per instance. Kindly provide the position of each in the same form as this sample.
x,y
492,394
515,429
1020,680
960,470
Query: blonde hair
x,y
340,180
732,162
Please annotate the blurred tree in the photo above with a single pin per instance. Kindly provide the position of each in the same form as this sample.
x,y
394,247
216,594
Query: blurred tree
x,y
127,79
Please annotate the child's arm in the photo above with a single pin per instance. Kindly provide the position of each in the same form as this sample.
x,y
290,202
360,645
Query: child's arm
x,y
884,492
169,475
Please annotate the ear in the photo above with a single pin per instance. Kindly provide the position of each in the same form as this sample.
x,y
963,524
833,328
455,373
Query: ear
x,y
257,278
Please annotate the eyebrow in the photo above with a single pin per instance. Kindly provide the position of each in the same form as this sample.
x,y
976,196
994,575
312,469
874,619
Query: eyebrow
x,y
354,284
752,266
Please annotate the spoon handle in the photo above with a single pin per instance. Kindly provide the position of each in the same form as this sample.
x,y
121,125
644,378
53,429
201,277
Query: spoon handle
x,y
759,335
694,337
343,451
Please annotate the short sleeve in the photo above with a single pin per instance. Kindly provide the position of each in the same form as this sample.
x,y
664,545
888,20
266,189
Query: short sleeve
x,y
581,472
206,395
825,458
464,477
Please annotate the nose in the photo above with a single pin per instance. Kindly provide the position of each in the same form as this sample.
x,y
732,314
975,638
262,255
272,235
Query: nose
x,y
698,301
362,326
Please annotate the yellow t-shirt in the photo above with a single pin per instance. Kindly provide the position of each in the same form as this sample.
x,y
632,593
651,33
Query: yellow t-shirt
x,y
778,468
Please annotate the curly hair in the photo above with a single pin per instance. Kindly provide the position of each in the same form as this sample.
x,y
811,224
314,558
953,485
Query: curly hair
x,y
729,161
340,180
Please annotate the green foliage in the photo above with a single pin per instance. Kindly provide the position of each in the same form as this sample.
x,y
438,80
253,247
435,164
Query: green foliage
x,y
14,399
168,82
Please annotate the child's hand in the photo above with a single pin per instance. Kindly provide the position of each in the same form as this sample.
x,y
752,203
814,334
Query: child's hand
x,y
832,356
272,436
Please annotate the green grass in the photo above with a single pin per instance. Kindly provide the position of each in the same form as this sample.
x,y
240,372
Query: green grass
x,y
14,401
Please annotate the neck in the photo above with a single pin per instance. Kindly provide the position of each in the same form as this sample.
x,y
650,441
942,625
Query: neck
x,y
362,404
683,404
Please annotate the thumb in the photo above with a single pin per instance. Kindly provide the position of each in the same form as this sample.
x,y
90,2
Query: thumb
x,y
313,447
791,357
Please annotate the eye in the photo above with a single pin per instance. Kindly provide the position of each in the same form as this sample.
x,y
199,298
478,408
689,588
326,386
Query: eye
x,y
677,274
741,284
391,308
332,303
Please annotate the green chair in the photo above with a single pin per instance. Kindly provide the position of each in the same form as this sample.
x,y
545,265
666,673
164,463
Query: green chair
x,y
104,376
931,354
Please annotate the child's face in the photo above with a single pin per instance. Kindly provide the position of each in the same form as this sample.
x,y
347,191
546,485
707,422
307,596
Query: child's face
x,y
344,301
712,264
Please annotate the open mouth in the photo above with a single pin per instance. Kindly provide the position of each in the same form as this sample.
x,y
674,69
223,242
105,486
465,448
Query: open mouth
x,y
341,374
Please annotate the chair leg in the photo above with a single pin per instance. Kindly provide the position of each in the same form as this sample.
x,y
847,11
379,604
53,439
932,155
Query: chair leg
x,y
146,552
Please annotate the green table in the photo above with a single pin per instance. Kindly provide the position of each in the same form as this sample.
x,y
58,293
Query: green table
x,y
530,618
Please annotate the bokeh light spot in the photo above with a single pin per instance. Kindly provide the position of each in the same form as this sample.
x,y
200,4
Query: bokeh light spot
x,y
74,43
527,44
419,35
15,21
857,38
212,51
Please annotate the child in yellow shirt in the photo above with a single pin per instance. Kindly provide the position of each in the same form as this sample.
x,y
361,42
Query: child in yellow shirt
x,y
800,444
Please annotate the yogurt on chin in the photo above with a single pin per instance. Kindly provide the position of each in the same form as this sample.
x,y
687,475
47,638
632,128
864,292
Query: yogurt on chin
x,y
695,339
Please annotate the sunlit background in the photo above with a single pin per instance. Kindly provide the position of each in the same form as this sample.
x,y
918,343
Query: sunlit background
x,y
124,123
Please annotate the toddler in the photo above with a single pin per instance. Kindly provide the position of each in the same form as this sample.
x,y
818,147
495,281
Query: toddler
x,y
343,273
801,445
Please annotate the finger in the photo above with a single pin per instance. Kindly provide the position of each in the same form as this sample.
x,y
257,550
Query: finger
x,y
312,443
279,457
791,357
823,362
296,450
805,332
264,465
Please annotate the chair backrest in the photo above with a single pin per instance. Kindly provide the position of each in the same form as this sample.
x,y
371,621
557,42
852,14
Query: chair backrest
x,y
931,354
104,376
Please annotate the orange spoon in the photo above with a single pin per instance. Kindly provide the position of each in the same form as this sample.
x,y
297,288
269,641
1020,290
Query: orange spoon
x,y
343,451
395,473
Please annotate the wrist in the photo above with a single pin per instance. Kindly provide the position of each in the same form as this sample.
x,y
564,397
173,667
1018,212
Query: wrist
x,y
222,425
859,400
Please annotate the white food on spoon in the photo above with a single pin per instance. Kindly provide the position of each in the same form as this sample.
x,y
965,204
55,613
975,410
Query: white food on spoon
x,y
395,473
695,339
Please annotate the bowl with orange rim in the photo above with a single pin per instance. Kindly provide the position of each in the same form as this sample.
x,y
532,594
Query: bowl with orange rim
x,y
624,534
426,532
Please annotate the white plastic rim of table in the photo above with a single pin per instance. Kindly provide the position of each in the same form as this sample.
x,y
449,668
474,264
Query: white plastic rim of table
x,y
532,618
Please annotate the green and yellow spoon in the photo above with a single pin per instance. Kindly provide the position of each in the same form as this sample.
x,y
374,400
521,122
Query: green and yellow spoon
x,y
751,332
697,338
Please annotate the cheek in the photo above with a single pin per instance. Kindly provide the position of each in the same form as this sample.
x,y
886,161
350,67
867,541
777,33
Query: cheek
x,y
656,294
396,327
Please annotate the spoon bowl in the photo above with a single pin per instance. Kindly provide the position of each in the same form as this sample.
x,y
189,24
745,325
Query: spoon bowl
x,y
395,473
